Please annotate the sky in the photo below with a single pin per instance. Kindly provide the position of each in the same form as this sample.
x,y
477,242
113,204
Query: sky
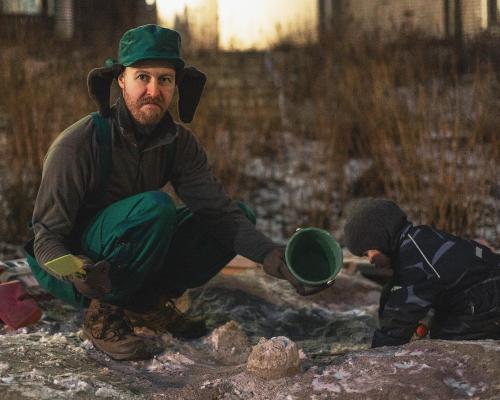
x,y
243,24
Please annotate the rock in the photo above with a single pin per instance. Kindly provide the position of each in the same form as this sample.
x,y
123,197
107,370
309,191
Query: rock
x,y
274,358
229,343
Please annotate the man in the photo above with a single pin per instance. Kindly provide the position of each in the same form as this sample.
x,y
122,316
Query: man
x,y
458,278
100,200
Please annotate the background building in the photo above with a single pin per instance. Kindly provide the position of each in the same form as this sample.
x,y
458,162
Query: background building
x,y
83,21
241,24
440,19
245,24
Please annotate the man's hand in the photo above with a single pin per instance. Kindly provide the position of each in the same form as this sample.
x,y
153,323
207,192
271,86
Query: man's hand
x,y
95,284
274,264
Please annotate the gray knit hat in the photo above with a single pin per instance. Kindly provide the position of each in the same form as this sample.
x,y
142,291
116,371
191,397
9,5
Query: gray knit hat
x,y
374,224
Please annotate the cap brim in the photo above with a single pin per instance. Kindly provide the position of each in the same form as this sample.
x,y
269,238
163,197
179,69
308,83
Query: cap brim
x,y
176,62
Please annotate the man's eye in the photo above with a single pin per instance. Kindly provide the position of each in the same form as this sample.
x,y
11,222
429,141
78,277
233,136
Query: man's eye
x,y
166,79
143,77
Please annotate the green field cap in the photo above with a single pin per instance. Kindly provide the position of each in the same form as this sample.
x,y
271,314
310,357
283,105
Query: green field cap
x,y
313,256
150,42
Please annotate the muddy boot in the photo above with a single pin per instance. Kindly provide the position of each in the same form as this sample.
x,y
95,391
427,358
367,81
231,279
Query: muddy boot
x,y
110,331
166,317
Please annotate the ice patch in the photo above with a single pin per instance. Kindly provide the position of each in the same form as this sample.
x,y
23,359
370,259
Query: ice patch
x,y
406,364
210,384
72,383
107,392
319,386
35,375
56,338
464,387
175,358
419,368
341,374
7,379
4,367
170,362
408,353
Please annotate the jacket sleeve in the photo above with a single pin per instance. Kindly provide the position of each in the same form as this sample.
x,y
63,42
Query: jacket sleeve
x,y
217,214
404,305
64,182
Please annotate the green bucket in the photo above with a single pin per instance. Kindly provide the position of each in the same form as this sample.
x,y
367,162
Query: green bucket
x,y
313,256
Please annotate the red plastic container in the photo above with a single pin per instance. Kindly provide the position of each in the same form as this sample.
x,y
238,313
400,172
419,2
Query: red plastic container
x,y
421,331
17,308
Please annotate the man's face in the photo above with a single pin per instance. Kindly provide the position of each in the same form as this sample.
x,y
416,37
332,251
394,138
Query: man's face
x,y
378,258
148,89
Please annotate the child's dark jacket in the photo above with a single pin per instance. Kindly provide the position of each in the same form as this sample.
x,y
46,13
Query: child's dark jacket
x,y
458,278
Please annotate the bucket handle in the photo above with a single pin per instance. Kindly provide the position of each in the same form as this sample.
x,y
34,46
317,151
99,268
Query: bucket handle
x,y
310,290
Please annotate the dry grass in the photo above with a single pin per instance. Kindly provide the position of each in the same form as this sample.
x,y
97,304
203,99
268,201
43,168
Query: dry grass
x,y
44,93
428,132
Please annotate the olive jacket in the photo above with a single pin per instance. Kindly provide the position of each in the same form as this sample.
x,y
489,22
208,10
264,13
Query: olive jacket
x,y
69,191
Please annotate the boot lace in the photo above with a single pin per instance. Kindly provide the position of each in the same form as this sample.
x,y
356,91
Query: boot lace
x,y
110,323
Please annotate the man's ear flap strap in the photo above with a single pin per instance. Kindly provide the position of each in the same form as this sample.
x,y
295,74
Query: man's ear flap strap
x,y
191,83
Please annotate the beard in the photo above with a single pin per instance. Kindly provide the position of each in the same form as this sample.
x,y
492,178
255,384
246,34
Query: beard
x,y
149,115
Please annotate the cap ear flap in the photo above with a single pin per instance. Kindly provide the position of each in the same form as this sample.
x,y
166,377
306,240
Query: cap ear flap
x,y
190,84
99,85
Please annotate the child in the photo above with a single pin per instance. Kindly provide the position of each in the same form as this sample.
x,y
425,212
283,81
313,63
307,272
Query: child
x,y
458,278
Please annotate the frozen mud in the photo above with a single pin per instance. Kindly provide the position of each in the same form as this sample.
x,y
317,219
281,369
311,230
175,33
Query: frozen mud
x,y
331,330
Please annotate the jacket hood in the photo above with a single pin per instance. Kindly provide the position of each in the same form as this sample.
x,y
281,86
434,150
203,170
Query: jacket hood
x,y
374,224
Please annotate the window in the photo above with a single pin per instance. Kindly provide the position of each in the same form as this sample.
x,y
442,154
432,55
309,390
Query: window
x,y
493,8
27,7
30,7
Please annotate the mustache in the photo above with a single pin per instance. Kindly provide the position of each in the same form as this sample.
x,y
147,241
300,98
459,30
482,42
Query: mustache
x,y
149,100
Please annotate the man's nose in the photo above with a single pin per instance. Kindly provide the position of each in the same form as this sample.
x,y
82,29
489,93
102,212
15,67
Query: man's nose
x,y
153,88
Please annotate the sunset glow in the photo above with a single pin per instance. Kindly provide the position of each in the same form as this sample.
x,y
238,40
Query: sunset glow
x,y
244,24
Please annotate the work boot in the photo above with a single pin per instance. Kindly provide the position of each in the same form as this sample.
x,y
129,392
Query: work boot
x,y
107,327
166,317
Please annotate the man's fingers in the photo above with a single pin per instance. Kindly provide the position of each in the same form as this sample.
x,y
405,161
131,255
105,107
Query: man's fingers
x,y
102,265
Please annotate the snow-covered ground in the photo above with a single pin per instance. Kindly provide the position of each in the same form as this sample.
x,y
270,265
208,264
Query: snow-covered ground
x,y
332,331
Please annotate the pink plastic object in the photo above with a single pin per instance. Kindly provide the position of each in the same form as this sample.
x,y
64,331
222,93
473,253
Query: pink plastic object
x,y
17,308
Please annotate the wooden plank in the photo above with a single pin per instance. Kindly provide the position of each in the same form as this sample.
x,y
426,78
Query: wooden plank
x,y
239,264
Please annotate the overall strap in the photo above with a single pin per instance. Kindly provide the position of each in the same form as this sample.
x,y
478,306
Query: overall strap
x,y
170,159
103,136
